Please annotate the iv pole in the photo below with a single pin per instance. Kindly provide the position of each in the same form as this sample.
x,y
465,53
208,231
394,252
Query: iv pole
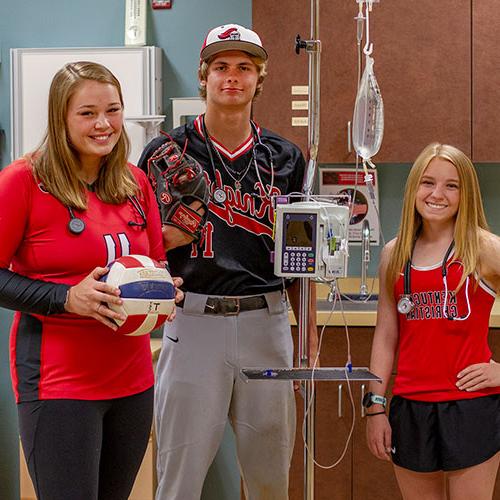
x,y
303,372
313,48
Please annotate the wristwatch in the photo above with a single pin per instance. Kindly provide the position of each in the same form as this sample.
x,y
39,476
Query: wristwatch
x,y
370,399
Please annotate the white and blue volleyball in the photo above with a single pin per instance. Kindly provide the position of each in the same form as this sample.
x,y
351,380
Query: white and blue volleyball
x,y
147,291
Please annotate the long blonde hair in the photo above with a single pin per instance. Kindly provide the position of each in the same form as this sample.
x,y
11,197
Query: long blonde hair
x,y
56,163
469,220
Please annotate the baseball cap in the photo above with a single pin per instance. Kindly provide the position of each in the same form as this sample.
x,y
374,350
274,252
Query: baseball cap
x,y
232,37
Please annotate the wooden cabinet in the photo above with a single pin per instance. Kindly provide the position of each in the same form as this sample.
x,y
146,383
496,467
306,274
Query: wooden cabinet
x,y
359,475
486,81
494,342
278,28
422,53
331,433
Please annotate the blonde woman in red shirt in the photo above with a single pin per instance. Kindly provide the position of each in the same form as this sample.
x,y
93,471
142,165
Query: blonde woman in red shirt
x,y
438,282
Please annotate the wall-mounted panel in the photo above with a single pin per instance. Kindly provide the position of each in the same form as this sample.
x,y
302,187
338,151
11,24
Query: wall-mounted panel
x,y
137,68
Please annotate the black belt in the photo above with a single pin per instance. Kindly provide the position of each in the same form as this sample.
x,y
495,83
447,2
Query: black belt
x,y
231,306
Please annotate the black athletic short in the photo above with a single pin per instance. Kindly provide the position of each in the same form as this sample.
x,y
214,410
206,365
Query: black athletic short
x,y
450,435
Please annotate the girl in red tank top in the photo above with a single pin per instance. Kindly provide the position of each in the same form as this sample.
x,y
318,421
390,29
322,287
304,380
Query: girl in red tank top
x,y
438,282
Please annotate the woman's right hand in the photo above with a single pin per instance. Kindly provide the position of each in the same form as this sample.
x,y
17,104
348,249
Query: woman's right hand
x,y
91,296
379,436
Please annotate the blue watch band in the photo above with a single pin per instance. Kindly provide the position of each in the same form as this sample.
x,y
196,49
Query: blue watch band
x,y
379,400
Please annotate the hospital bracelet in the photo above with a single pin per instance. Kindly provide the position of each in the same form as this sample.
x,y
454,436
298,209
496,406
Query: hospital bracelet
x,y
373,414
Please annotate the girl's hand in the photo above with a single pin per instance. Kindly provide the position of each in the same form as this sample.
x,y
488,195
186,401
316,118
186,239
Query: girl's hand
x,y
479,376
378,436
91,297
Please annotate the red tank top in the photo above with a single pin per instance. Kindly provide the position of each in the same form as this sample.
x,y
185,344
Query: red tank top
x,y
434,349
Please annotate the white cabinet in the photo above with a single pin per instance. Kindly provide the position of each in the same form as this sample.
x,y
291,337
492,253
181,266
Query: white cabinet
x,y
137,68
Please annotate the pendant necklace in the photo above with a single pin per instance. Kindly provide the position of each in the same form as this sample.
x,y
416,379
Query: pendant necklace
x,y
235,175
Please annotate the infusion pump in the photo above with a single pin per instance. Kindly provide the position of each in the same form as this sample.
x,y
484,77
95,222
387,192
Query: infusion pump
x,y
311,240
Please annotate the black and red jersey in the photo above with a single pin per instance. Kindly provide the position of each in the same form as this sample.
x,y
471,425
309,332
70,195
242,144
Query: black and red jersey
x,y
65,355
234,256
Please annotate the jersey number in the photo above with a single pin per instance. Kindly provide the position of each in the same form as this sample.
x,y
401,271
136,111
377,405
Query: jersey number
x,y
206,241
116,248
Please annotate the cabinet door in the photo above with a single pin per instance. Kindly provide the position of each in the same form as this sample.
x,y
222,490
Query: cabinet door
x,y
330,436
278,28
422,53
333,420
331,432
422,63
486,81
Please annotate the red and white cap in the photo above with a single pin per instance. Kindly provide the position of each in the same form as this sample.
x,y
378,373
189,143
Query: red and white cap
x,y
232,37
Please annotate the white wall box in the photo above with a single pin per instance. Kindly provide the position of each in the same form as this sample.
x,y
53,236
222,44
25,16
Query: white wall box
x,y
137,68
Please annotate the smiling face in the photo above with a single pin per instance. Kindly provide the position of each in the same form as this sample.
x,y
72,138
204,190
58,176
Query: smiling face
x,y
231,79
94,121
438,194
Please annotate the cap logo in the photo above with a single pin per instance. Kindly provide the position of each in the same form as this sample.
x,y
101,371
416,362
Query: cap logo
x,y
231,33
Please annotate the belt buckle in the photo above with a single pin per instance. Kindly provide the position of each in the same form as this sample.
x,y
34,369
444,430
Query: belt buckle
x,y
236,302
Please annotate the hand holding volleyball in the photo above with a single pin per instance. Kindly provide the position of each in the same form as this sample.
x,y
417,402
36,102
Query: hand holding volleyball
x,y
147,294
134,296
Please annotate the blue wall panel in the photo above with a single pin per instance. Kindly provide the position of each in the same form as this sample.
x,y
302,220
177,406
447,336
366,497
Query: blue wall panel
x,y
100,23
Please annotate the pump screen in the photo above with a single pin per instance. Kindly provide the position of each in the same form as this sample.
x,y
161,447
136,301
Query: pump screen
x,y
299,234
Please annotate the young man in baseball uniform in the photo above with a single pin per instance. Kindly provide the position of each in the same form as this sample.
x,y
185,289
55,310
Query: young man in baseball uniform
x,y
235,312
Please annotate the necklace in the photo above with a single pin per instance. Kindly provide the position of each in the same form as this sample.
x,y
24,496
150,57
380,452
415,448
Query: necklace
x,y
234,174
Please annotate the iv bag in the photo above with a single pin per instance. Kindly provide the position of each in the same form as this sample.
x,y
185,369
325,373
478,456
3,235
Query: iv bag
x,y
368,119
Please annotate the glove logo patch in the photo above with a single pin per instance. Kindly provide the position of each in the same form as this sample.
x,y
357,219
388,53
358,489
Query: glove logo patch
x,y
187,220
165,198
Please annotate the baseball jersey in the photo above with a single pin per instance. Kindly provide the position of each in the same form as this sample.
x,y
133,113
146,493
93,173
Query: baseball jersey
x,y
234,255
66,355
434,349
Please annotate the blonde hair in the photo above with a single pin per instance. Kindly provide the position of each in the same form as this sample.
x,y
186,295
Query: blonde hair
x,y
258,61
56,163
469,220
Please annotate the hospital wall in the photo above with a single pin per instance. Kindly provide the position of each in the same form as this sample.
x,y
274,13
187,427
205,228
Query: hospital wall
x,y
179,32
100,23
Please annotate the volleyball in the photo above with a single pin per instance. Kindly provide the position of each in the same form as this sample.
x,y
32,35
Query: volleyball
x,y
147,291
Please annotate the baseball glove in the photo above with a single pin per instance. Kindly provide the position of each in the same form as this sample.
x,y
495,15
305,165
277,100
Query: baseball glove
x,y
178,180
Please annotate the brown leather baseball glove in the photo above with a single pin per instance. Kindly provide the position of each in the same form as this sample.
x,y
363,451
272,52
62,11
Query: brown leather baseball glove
x,y
178,180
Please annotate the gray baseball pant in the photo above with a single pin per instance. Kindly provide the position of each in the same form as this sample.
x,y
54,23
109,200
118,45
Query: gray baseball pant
x,y
198,386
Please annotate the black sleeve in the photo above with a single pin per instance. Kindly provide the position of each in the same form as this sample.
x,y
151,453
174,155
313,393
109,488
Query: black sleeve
x,y
32,296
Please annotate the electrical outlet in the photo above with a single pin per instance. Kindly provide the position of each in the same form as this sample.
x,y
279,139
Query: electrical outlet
x,y
161,4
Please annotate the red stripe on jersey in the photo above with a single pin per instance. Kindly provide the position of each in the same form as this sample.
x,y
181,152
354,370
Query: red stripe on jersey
x,y
241,220
244,147
239,151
